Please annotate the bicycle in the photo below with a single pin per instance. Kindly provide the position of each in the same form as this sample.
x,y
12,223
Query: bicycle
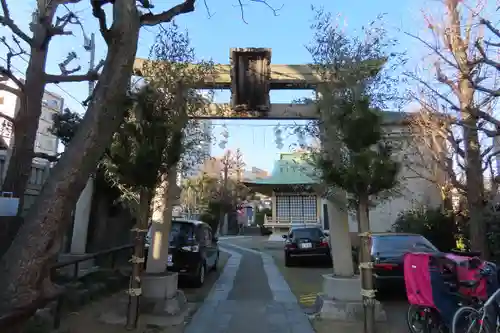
x,y
479,320
423,319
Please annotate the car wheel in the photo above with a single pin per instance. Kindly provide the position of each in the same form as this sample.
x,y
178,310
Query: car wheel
x,y
288,260
214,268
199,279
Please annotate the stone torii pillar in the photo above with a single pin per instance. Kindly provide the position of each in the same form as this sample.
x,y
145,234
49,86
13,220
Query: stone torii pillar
x,y
341,297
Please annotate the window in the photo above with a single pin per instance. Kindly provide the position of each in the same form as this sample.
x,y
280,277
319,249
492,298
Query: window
x,y
50,103
37,175
311,233
401,244
297,208
181,233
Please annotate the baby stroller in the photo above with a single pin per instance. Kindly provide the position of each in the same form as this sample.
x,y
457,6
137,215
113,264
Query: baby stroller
x,y
437,284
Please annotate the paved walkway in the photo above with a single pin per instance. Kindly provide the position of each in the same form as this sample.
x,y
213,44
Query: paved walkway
x,y
250,296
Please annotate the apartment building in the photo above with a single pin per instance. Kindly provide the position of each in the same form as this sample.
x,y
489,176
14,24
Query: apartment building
x,y
46,142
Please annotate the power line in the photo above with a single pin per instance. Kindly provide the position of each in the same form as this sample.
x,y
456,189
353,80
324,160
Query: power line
x,y
56,84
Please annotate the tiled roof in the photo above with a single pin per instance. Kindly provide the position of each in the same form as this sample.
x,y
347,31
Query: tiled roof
x,y
291,170
288,172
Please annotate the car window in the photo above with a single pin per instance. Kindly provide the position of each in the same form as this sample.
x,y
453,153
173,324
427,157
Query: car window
x,y
181,233
401,244
313,233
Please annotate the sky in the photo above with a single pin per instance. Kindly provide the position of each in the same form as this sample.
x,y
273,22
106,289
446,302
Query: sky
x,y
286,33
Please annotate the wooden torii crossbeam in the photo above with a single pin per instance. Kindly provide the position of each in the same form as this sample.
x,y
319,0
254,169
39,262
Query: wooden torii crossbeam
x,y
251,76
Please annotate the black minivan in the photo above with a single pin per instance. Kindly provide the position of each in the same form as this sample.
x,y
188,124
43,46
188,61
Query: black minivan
x,y
193,250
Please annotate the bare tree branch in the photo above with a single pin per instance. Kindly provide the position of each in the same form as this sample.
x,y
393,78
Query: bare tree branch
x,y
10,75
62,22
241,5
11,90
150,19
7,21
490,26
434,50
92,75
100,14
66,2
432,160
3,115
45,156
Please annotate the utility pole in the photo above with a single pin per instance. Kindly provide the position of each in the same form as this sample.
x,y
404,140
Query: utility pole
x,y
90,47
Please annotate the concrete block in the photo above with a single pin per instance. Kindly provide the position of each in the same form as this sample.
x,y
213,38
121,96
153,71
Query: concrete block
x,y
159,286
163,320
342,288
341,300
171,306
348,310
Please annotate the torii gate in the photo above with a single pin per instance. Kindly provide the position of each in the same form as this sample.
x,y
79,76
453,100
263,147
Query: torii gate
x,y
250,76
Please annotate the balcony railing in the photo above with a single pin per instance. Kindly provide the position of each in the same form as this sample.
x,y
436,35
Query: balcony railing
x,y
286,222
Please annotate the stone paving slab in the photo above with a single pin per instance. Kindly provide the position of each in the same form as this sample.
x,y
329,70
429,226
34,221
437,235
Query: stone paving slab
x,y
260,300
251,282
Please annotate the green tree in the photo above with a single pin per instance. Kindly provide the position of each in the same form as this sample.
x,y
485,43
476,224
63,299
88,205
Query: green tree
x,y
364,169
355,71
149,139
152,138
438,226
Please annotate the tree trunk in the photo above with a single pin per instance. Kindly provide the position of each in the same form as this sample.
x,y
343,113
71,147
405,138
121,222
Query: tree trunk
x,y
366,272
141,228
472,148
27,117
29,253
25,129
160,228
475,188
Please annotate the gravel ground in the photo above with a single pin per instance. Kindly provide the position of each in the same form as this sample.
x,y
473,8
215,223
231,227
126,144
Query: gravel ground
x,y
86,320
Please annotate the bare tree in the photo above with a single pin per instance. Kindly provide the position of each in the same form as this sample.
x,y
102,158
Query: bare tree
x,y
25,266
488,48
429,155
452,95
31,90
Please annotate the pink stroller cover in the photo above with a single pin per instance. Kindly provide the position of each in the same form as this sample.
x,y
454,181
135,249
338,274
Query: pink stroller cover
x,y
417,279
466,273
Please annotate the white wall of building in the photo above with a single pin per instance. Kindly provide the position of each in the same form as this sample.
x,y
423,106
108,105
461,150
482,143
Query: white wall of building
x,y
8,108
414,191
204,150
45,142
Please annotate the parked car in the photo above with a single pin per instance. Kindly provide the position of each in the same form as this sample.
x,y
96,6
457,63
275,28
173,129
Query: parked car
x,y
388,249
193,250
305,242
